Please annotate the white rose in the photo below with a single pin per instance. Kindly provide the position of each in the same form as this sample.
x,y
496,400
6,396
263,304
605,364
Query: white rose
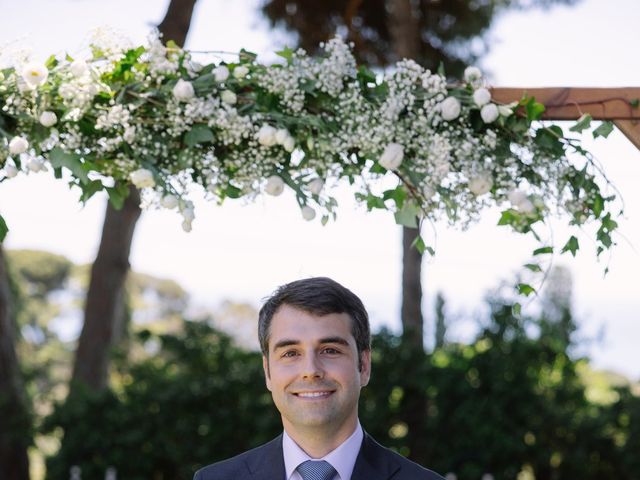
x,y
129,134
228,97
240,71
18,145
480,184
10,171
281,135
289,144
275,185
489,113
67,91
267,135
520,200
315,186
481,96
35,74
392,156
142,178
186,226
308,213
78,68
504,110
220,73
169,201
48,119
36,165
450,108
183,90
472,74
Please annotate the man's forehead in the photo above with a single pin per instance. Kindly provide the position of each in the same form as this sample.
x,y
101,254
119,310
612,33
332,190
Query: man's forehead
x,y
294,323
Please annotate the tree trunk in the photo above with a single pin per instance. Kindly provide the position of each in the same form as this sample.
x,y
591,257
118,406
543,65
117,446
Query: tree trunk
x,y
14,417
104,308
405,34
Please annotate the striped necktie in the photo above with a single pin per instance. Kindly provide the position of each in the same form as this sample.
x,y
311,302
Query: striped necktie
x,y
316,470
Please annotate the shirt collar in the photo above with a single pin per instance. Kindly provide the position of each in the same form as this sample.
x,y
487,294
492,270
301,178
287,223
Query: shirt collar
x,y
343,458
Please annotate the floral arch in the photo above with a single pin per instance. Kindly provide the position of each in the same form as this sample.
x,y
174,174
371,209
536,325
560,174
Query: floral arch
x,y
408,142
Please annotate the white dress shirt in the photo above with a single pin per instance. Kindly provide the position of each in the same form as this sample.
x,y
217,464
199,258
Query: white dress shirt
x,y
343,458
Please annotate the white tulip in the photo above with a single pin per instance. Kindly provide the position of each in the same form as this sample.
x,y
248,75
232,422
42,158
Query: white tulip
x,y
450,108
183,91
275,185
472,74
481,96
18,145
281,135
35,74
142,178
480,184
489,113
308,213
220,73
169,201
267,135
48,119
392,156
315,186
10,171
78,68
240,71
289,144
229,97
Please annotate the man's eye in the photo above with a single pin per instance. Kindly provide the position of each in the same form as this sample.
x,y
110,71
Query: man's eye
x,y
330,351
289,353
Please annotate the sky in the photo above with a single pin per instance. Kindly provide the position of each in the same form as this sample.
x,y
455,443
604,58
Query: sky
x,y
242,252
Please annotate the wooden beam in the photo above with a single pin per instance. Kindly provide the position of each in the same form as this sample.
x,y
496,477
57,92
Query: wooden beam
x,y
569,103
631,129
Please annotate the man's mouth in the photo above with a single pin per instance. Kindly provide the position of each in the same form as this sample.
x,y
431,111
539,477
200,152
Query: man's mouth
x,y
314,394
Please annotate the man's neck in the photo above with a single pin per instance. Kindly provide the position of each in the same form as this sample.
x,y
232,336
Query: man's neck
x,y
316,442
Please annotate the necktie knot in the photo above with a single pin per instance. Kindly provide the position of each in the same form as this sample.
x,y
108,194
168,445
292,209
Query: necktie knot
x,y
316,470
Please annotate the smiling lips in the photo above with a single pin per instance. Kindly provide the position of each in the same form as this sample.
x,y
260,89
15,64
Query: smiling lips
x,y
314,394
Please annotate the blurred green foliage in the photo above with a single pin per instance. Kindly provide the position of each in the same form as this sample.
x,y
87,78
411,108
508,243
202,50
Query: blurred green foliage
x,y
512,400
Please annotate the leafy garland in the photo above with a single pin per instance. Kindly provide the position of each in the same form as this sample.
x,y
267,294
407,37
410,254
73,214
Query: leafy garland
x,y
153,117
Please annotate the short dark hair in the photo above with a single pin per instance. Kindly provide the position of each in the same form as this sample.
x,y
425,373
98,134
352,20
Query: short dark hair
x,y
318,296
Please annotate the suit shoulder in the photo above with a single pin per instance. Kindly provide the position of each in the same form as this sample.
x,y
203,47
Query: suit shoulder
x,y
232,468
408,470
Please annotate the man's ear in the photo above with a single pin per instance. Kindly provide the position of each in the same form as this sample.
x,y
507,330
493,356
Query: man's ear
x,y
365,367
265,367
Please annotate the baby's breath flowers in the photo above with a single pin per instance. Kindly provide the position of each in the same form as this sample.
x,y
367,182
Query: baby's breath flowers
x,y
154,117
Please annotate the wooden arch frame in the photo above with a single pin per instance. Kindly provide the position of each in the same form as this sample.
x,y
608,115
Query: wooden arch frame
x,y
619,105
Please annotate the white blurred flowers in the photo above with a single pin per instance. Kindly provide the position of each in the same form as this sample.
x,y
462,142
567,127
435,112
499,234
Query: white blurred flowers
x,y
142,178
392,156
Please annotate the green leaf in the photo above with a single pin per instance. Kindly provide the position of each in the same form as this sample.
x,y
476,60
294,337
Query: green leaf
x,y
246,56
534,109
3,229
198,134
419,244
232,192
117,195
408,215
51,62
598,205
525,289
635,102
603,130
583,123
398,195
287,54
508,217
543,250
534,267
60,158
516,309
90,189
571,246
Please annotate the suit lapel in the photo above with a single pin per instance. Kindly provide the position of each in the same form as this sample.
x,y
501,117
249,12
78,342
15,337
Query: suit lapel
x,y
267,463
374,462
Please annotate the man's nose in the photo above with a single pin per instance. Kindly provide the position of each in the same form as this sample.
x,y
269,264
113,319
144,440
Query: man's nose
x,y
312,367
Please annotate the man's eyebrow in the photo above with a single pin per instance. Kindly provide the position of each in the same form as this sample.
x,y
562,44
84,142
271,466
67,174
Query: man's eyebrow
x,y
289,342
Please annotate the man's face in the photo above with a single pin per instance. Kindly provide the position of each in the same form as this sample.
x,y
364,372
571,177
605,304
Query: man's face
x,y
312,371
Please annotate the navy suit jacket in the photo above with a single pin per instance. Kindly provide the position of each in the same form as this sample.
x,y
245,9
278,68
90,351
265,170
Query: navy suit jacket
x,y
266,462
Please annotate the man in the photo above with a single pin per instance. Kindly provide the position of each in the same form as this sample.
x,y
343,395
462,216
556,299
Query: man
x,y
316,345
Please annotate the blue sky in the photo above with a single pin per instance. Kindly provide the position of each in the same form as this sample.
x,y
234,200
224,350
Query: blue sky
x,y
242,252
